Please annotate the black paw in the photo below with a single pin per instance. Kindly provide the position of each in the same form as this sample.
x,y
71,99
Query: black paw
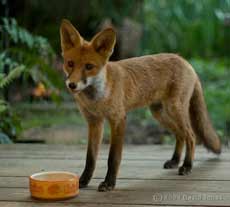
x,y
169,164
105,186
185,170
83,182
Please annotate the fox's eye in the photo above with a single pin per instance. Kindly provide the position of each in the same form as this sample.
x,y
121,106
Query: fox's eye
x,y
70,63
89,66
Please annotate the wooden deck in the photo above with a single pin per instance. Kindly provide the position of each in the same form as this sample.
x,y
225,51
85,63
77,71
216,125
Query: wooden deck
x,y
141,182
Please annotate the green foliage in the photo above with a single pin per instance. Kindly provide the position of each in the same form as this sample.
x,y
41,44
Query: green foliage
x,y
10,125
215,76
31,52
22,37
28,55
5,80
188,27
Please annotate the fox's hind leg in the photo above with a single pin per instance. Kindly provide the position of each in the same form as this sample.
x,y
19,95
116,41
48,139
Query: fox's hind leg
x,y
160,114
179,112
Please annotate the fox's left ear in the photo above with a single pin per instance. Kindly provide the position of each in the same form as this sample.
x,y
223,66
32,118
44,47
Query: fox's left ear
x,y
104,42
70,37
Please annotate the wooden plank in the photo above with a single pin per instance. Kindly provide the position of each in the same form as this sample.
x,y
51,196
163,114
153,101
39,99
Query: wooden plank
x,y
130,149
207,170
133,149
126,163
137,185
56,204
131,197
142,181
102,156
79,152
34,152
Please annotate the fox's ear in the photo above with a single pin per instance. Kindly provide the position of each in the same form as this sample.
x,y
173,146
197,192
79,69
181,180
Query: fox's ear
x,y
70,37
104,42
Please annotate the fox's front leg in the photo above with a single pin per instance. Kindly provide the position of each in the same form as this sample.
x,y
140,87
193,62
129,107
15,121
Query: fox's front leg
x,y
115,153
95,132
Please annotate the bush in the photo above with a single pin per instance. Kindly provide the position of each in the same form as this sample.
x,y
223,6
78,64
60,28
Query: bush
x,y
31,51
190,28
29,56
10,125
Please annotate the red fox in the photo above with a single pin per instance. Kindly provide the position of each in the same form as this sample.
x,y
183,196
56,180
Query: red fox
x,y
166,83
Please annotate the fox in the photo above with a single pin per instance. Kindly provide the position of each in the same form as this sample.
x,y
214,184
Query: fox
x,y
107,90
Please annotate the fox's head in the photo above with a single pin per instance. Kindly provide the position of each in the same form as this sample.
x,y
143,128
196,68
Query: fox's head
x,y
84,61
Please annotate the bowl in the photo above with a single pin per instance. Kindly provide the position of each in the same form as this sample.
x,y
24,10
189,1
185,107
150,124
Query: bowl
x,y
54,185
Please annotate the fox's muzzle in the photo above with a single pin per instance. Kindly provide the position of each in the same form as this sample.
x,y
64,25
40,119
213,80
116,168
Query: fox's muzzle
x,y
79,86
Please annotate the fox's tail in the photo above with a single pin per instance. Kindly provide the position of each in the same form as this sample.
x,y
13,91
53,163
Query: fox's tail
x,y
201,123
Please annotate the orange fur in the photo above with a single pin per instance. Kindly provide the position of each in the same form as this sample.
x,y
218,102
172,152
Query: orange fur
x,y
108,90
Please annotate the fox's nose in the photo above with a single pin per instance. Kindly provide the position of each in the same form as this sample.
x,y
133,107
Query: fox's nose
x,y
72,86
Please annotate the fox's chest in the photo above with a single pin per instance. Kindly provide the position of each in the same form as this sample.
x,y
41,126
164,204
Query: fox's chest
x,y
94,107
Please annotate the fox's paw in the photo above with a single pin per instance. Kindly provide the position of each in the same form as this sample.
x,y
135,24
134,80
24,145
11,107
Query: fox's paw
x,y
105,186
83,183
185,170
169,164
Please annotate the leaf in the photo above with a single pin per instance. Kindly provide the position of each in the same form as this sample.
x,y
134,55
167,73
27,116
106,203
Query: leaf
x,y
15,73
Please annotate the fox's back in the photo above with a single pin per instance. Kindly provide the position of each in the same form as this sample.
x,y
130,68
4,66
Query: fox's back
x,y
150,78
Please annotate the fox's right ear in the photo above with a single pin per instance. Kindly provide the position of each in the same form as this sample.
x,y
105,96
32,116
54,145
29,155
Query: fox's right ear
x,y
70,37
104,42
